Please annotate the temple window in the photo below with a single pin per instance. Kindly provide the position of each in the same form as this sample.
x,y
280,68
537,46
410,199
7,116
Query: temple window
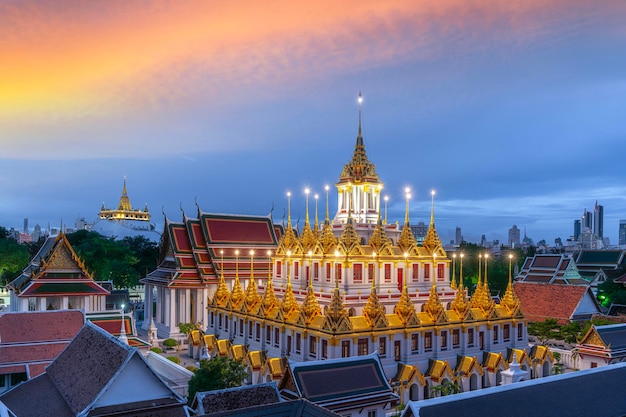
x,y
240,327
279,269
324,349
426,271
496,332
358,273
327,272
416,272
338,268
312,346
456,338
316,271
345,348
428,342
258,332
444,340
506,333
362,346
520,331
400,277
219,321
298,342
397,350
370,273
296,270
268,334
382,346
212,319
387,272
276,336
440,270
226,321
470,337
415,342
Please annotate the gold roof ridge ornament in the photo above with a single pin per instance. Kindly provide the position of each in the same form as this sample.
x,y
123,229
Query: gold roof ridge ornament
x,y
251,295
308,239
510,300
222,294
433,306
432,243
310,306
407,241
289,302
289,241
374,311
405,308
269,299
236,294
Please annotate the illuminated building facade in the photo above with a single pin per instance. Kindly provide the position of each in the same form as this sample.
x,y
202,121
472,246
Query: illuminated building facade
x,y
342,288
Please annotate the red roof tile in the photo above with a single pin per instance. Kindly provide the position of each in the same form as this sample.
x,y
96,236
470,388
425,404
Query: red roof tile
x,y
542,301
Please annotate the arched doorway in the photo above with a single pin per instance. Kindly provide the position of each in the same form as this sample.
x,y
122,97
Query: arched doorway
x,y
545,368
498,377
473,382
414,392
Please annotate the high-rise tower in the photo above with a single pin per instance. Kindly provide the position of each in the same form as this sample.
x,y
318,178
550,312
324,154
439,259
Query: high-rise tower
x,y
598,220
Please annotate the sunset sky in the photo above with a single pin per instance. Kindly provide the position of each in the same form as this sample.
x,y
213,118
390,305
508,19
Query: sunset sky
x,y
513,111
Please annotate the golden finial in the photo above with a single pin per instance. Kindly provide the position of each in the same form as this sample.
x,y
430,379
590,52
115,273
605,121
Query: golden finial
x,y
433,306
373,310
269,296
432,208
289,209
326,188
222,293
405,308
407,239
252,293
407,193
316,225
386,201
432,243
310,306
460,304
289,300
237,294
453,279
510,300
306,193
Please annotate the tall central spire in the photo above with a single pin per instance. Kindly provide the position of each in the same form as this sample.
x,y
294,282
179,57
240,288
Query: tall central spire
x,y
359,138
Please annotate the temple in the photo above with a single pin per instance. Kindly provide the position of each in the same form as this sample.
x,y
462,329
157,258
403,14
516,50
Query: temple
x,y
125,221
339,288
124,210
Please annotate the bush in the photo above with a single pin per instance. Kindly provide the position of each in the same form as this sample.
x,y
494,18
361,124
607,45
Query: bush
x,y
174,359
170,342
156,350
191,368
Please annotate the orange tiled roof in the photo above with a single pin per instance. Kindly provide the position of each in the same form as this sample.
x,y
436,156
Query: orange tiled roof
x,y
542,301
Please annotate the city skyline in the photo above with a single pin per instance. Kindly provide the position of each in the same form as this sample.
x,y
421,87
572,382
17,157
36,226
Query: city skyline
x,y
496,106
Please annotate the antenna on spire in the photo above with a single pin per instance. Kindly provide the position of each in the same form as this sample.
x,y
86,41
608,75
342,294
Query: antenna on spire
x,y
360,100
432,208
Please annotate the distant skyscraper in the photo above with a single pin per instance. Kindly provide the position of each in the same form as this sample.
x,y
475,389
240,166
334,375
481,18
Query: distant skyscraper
x,y
587,220
577,229
26,225
622,232
598,220
458,237
514,237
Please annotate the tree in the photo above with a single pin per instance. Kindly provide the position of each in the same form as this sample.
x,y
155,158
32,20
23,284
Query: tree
x,y
545,330
13,259
445,388
217,373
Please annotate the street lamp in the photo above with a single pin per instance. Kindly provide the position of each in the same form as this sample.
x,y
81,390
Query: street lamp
x,y
123,337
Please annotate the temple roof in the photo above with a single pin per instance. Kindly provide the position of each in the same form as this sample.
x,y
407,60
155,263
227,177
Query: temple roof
x,y
332,382
56,270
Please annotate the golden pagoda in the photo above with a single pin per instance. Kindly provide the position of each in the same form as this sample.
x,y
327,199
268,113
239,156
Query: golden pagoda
x,y
124,210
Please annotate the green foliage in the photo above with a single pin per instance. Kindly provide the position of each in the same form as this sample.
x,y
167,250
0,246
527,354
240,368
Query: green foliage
x,y
156,350
187,328
446,388
545,330
170,342
217,373
122,261
174,359
13,258
191,368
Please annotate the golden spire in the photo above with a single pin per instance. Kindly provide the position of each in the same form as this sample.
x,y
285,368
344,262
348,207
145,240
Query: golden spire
x,y
453,279
316,225
222,293
307,240
407,240
289,241
510,300
269,299
327,219
310,306
306,193
460,303
482,296
379,240
431,242
252,292
404,308
373,309
336,310
433,306
289,299
124,200
237,294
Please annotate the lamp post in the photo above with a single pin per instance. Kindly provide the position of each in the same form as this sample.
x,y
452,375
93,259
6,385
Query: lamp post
x,y
461,270
123,337
486,269
386,200
453,270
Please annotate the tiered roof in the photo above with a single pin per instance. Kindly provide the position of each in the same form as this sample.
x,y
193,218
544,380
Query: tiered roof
x,y
551,269
56,270
199,251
